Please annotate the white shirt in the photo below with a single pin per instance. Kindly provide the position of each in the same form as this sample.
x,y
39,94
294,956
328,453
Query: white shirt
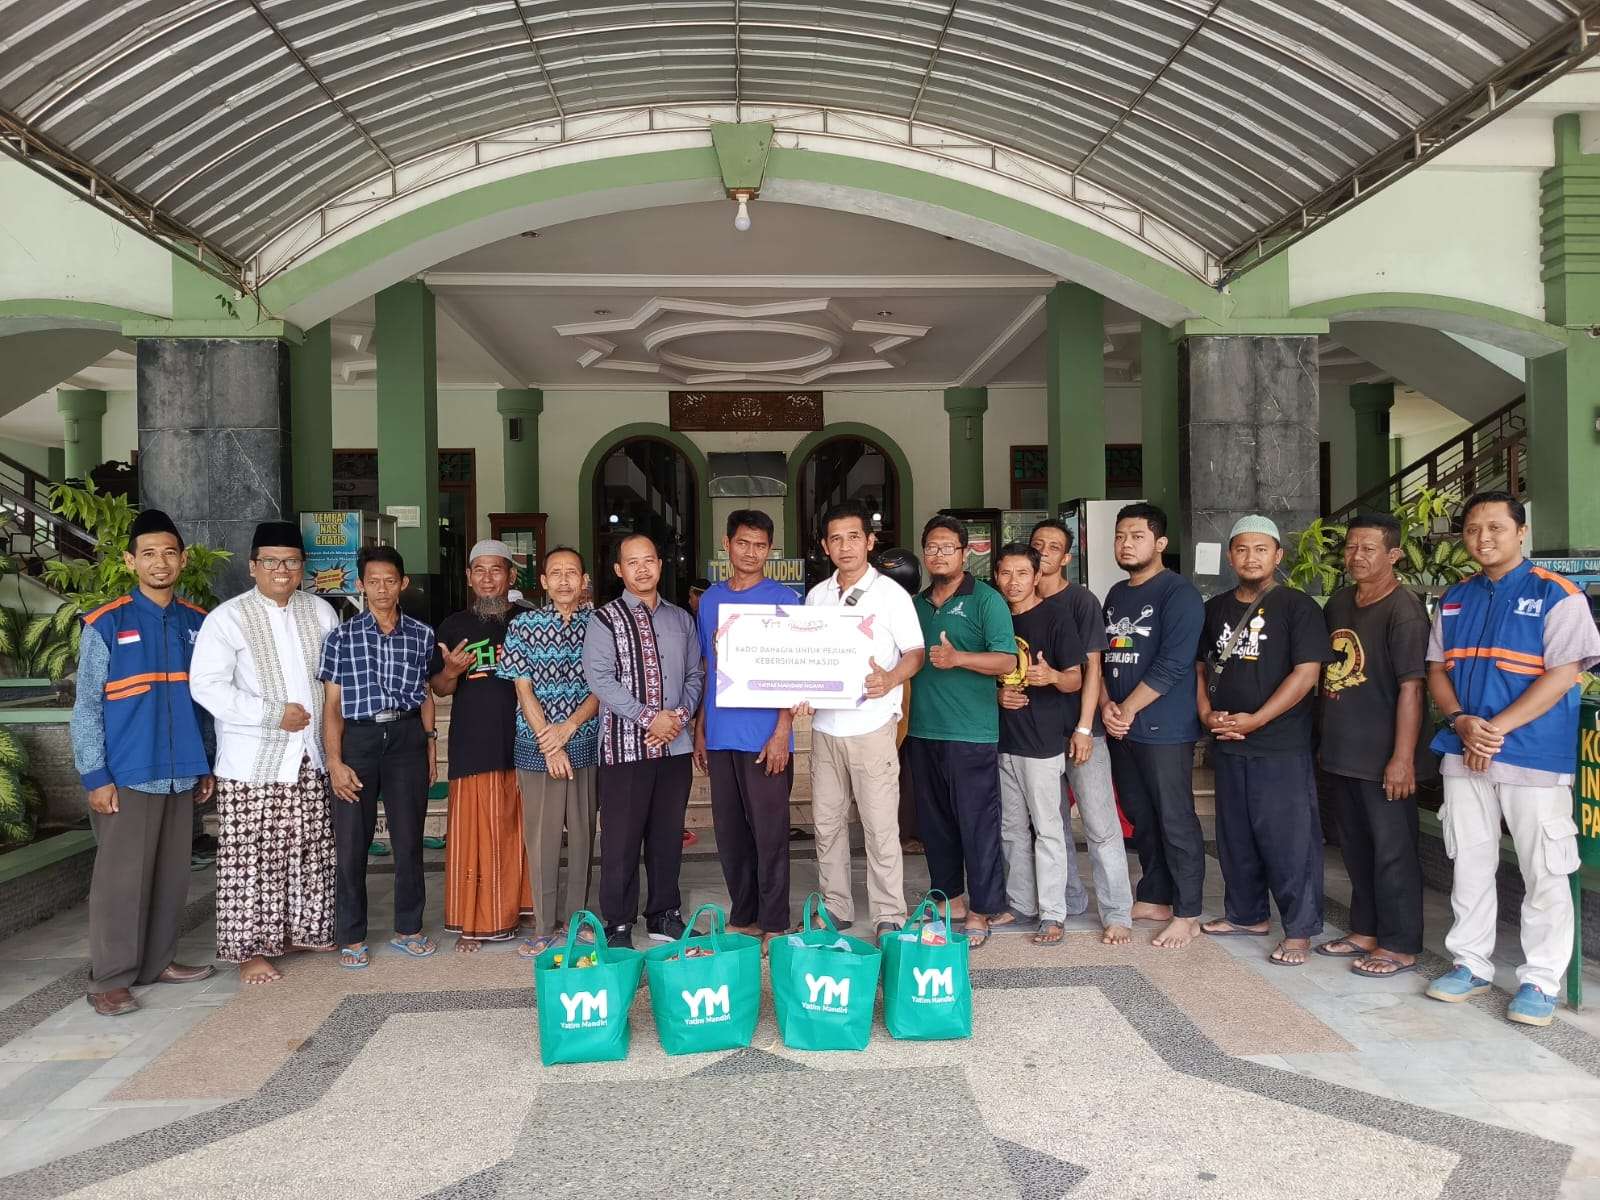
x,y
223,679
896,631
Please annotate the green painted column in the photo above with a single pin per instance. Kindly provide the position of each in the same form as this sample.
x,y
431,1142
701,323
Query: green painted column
x,y
1158,429
1564,388
408,423
81,413
519,410
1075,394
1371,403
311,419
966,406
56,463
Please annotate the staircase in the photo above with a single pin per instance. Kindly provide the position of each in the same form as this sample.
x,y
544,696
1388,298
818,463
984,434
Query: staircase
x,y
1492,455
29,529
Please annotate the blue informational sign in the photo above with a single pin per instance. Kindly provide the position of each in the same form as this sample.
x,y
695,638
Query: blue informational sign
x,y
333,539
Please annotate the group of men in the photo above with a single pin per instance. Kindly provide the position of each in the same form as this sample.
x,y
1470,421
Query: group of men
x,y
1025,699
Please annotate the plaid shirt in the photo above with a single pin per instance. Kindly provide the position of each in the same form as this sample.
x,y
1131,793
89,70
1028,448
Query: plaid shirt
x,y
377,671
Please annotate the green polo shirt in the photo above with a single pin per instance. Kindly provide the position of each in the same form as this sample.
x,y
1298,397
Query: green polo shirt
x,y
958,705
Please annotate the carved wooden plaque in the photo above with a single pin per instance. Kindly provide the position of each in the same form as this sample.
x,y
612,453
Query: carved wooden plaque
x,y
744,411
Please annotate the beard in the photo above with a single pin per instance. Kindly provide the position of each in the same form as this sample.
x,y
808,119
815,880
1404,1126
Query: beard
x,y
490,608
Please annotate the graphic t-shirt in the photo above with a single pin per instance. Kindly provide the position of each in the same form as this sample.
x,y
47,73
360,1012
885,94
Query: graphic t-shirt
x,y
1375,650
1088,621
1153,629
1040,730
483,710
1284,629
736,728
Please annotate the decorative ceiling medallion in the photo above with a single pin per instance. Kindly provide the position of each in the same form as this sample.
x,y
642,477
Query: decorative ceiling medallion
x,y
839,344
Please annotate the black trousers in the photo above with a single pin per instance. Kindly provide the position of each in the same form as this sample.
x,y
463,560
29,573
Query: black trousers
x,y
1155,785
750,813
391,761
958,814
641,807
1269,840
1379,839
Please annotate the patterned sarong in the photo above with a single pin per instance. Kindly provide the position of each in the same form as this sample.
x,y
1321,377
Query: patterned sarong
x,y
486,890
274,865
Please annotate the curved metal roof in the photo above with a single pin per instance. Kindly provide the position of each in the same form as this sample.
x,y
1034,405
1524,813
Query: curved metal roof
x,y
225,121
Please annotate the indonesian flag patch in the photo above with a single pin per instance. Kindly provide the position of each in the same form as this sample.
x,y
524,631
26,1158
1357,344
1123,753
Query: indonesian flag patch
x,y
126,637
1452,609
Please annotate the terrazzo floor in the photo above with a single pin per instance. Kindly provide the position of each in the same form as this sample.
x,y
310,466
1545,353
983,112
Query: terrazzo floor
x,y
1094,1071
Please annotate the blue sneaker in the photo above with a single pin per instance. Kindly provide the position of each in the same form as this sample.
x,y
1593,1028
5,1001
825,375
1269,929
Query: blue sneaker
x,y
1460,984
1530,1006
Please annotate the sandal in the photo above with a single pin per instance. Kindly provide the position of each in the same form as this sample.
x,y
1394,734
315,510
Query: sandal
x,y
1327,949
1232,930
417,945
1050,934
354,958
975,937
1277,957
535,946
1396,967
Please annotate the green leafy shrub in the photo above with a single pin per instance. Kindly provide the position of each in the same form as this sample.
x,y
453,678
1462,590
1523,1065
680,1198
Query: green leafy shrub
x,y
21,801
1431,557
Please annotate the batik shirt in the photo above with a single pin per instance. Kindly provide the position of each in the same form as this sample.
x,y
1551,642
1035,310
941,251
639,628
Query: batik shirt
x,y
543,648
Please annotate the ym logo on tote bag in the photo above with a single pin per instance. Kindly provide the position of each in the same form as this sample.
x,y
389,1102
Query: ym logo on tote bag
x,y
593,1004
835,993
935,985
713,1002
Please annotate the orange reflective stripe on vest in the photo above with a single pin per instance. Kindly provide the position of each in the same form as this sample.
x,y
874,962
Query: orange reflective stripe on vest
x,y
128,681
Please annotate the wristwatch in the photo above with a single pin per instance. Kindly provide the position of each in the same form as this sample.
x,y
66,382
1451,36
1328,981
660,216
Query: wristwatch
x,y
431,733
1450,721
1085,730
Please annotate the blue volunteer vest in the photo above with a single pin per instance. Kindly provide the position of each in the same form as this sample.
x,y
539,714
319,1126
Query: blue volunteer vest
x,y
152,726
1493,637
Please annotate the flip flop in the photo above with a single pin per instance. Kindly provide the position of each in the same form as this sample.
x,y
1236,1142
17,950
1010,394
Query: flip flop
x,y
1400,969
535,946
1359,951
1283,962
1041,938
417,945
356,959
1235,931
976,938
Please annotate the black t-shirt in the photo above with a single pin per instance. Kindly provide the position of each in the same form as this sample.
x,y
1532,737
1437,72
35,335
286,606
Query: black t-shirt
x,y
1284,630
1375,649
1089,620
1040,729
483,711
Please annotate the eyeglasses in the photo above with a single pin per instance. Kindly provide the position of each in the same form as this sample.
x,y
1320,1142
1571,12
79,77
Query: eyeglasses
x,y
941,550
287,564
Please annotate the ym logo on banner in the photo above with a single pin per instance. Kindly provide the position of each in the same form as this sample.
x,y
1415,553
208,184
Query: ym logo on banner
x,y
834,993
713,1003
935,985
592,1005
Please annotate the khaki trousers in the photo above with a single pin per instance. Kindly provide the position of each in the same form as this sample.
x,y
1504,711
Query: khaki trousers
x,y
865,768
548,806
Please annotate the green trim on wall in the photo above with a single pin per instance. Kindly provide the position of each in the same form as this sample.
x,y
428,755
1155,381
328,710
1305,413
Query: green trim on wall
x,y
73,314
1490,323
14,864
1251,327
366,250
704,535
909,517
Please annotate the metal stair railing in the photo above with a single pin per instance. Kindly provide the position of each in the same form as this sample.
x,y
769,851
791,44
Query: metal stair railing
x,y
1491,455
29,527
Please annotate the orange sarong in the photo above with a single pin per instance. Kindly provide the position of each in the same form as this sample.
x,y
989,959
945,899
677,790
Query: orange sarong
x,y
486,892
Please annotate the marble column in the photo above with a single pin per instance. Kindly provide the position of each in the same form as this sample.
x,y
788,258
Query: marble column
x,y
1371,403
519,410
1247,439
966,406
214,440
81,414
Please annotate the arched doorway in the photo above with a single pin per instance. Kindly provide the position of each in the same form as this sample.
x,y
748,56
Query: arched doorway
x,y
846,466
646,485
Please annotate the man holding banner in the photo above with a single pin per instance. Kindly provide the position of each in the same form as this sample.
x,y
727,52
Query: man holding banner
x,y
746,750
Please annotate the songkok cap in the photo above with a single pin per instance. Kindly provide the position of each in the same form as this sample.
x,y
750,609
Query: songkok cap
x,y
490,546
152,520
1255,524
277,533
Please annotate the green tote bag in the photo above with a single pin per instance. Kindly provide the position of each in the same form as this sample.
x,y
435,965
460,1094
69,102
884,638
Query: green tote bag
x,y
583,1011
927,990
824,985
710,1002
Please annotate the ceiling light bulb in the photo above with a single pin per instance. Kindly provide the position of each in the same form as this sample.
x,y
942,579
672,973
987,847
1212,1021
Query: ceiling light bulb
x,y
742,221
